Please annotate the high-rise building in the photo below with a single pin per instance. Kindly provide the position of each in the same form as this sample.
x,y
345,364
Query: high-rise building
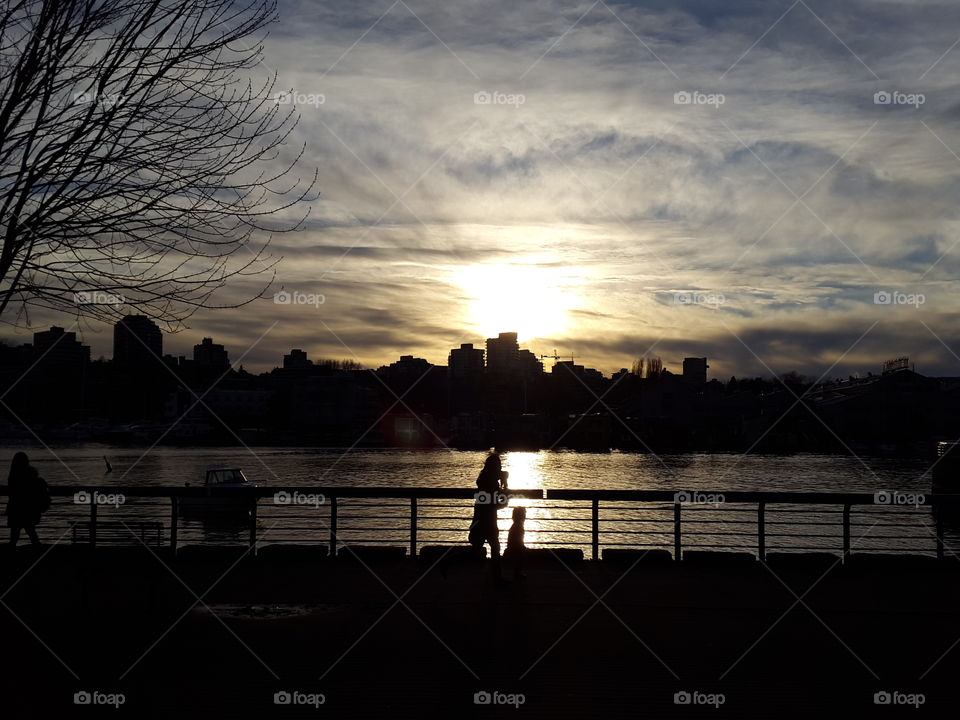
x,y
528,364
210,355
56,348
137,342
503,353
695,370
465,361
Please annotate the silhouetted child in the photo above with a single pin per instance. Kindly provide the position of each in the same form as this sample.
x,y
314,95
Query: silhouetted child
x,y
515,547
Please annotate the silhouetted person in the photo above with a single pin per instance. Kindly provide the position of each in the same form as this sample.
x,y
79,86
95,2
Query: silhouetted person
x,y
28,498
491,482
515,547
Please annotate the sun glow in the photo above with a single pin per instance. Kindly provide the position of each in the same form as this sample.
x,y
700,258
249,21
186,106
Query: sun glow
x,y
531,300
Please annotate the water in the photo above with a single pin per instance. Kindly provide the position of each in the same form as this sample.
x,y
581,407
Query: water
x,y
549,522
455,468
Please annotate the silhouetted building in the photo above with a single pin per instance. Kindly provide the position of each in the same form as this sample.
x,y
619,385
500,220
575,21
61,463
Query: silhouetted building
x,y
695,370
528,364
55,348
54,386
16,356
505,358
296,360
210,355
137,342
465,361
406,368
503,354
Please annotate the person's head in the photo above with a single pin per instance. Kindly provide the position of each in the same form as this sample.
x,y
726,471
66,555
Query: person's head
x,y
519,513
492,462
19,463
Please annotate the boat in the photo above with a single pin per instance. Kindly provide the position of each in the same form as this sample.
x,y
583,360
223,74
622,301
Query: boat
x,y
223,494
946,470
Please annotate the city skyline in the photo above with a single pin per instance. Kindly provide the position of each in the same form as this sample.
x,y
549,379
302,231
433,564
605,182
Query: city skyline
x,y
137,338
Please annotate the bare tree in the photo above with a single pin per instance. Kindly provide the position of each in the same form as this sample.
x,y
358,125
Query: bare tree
x,y
139,159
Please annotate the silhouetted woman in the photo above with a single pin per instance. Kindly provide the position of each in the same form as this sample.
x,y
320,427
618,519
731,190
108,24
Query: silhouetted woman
x,y
491,483
27,498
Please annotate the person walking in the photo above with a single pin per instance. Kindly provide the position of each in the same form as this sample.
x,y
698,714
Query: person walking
x,y
491,484
27,499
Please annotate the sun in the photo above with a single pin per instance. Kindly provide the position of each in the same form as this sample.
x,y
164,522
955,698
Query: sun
x,y
531,300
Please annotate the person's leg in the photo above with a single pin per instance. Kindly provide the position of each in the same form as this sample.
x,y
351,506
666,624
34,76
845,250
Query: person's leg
x,y
32,534
495,557
14,534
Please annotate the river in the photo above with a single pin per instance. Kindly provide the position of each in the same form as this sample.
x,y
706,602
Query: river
x,y
549,522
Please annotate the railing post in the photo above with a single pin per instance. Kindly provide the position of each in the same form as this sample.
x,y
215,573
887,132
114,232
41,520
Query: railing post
x,y
253,525
596,528
413,527
846,531
174,520
333,526
939,516
93,520
676,532
761,532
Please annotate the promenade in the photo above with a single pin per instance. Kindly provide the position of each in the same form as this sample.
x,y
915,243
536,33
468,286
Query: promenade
x,y
216,633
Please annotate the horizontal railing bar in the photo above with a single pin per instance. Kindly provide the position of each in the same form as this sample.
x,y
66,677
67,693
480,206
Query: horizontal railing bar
x,y
270,490
796,498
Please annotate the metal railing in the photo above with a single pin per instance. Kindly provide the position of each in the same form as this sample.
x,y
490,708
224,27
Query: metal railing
x,y
592,520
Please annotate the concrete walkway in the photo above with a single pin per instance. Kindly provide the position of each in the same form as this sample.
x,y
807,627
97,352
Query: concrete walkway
x,y
381,638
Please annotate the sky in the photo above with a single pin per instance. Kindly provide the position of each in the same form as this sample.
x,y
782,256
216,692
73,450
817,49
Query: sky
x,y
767,183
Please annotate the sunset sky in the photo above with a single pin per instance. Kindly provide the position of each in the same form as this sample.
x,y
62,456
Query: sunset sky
x,y
586,202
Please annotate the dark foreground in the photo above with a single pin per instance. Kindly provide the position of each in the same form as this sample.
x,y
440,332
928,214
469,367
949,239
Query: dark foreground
x,y
201,636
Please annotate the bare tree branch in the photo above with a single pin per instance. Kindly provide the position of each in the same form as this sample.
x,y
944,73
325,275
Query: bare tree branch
x,y
138,157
